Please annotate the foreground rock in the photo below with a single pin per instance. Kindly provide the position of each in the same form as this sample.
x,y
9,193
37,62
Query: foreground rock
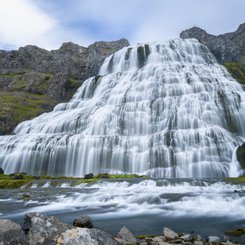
x,y
83,221
125,236
42,229
84,236
169,234
11,233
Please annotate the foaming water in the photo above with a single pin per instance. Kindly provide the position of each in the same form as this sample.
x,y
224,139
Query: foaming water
x,y
163,197
162,109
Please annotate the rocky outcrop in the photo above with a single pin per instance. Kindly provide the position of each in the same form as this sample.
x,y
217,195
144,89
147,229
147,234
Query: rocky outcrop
x,y
41,229
11,233
34,80
229,47
84,236
83,221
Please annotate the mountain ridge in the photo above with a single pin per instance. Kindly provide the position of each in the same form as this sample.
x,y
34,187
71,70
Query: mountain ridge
x,y
33,80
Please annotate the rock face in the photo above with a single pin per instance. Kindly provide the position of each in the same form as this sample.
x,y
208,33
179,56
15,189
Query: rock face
x,y
240,153
34,80
229,47
11,233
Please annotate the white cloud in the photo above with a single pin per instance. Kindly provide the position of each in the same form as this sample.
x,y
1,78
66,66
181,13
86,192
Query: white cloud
x,y
23,23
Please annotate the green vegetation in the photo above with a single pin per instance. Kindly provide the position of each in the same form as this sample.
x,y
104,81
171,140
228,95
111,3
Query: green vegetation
x,y
238,179
236,232
236,70
17,107
72,86
20,179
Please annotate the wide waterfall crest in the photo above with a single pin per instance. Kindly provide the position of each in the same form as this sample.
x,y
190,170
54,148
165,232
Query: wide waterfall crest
x,y
161,109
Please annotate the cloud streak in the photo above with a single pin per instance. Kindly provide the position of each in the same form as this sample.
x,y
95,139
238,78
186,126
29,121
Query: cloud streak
x,y
48,23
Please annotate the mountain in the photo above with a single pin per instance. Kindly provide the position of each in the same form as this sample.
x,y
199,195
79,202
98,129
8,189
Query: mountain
x,y
162,109
34,80
229,48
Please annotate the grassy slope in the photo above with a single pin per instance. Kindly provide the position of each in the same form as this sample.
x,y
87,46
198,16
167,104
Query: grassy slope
x,y
17,107
18,180
236,70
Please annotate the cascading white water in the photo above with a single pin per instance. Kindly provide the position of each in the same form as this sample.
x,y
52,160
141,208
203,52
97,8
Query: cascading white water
x,y
163,109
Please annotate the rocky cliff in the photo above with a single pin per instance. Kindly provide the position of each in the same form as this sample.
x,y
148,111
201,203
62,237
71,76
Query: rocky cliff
x,y
34,80
228,48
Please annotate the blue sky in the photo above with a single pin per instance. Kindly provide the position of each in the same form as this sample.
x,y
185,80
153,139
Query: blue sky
x,y
49,23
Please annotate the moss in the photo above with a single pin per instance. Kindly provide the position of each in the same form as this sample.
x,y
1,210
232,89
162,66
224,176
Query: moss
x,y
236,232
72,86
17,107
10,181
142,237
239,180
236,70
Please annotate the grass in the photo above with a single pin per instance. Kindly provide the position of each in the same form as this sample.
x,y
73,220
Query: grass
x,y
236,70
240,179
17,107
18,180
236,232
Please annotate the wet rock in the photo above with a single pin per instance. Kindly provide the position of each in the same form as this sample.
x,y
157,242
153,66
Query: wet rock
x,y
42,229
126,235
84,236
169,234
83,221
11,233
88,176
1,171
214,239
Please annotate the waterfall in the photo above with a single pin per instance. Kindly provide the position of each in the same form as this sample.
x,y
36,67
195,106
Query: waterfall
x,y
161,109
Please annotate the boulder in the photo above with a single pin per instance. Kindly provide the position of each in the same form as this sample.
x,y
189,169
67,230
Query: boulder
x,y
11,233
1,171
83,221
169,234
88,176
186,237
126,235
214,239
198,243
84,236
42,229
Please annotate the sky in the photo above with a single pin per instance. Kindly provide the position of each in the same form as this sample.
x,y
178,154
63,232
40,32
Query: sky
x,y
49,23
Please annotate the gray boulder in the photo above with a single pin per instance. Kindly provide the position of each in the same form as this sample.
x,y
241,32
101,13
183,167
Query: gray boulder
x,y
11,233
214,239
126,235
42,229
83,221
169,234
84,236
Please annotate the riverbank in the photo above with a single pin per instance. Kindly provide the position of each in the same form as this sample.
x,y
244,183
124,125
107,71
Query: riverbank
x,y
19,180
42,229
